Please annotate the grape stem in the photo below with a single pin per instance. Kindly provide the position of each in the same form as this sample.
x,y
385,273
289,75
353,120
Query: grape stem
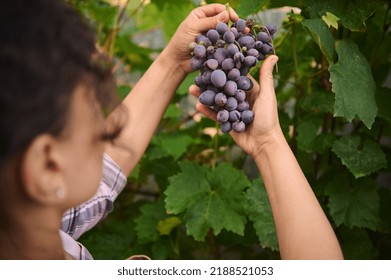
x,y
228,8
238,45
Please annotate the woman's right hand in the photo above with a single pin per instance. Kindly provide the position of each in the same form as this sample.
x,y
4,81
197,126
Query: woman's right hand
x,y
265,127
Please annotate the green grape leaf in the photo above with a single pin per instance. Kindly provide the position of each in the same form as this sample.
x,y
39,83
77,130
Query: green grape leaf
x,y
360,159
331,20
353,205
248,7
99,12
307,131
146,223
160,250
137,56
353,84
164,14
173,144
232,3
323,142
309,136
260,214
135,174
172,112
352,13
357,245
318,102
321,35
123,91
210,199
173,13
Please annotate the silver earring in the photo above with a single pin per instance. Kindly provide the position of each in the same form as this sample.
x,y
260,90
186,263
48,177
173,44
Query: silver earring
x,y
60,194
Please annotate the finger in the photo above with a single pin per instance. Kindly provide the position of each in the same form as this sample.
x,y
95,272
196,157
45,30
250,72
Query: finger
x,y
211,22
195,91
214,9
233,15
266,74
253,93
206,111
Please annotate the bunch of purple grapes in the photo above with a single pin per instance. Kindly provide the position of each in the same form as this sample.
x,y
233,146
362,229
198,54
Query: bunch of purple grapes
x,y
224,55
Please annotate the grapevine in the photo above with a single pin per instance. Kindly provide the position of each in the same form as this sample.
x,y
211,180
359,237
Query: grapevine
x,y
224,56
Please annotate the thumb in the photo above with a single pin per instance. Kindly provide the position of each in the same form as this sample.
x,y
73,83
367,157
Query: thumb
x,y
211,22
266,74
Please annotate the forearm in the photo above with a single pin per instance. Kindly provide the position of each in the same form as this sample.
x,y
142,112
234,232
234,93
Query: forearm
x,y
145,106
303,230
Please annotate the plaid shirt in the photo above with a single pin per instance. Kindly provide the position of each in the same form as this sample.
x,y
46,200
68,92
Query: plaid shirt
x,y
82,218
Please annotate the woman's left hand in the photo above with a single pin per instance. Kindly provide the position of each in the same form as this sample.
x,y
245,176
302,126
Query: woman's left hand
x,y
199,20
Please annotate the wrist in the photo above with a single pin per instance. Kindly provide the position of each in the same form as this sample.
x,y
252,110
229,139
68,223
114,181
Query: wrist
x,y
169,60
271,141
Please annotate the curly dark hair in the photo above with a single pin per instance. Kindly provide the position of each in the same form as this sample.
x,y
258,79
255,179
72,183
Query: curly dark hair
x,y
46,50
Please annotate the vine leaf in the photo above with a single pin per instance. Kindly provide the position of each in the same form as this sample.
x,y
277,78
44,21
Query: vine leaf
x,y
353,84
307,132
360,159
146,223
260,214
210,199
169,144
357,244
352,13
353,206
249,7
318,101
321,35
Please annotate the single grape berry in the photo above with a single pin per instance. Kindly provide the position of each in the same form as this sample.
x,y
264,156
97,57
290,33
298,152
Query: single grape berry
x,y
222,116
207,97
263,37
213,35
239,127
196,63
244,83
232,49
240,25
226,127
199,51
233,74
218,78
240,95
221,27
247,116
212,64
229,37
234,116
231,104
230,88
227,64
272,28
220,99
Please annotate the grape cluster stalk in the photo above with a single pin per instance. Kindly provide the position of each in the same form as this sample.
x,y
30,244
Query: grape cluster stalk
x,y
224,56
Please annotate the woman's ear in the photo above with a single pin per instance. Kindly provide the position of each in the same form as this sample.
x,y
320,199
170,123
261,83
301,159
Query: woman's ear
x,y
42,171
